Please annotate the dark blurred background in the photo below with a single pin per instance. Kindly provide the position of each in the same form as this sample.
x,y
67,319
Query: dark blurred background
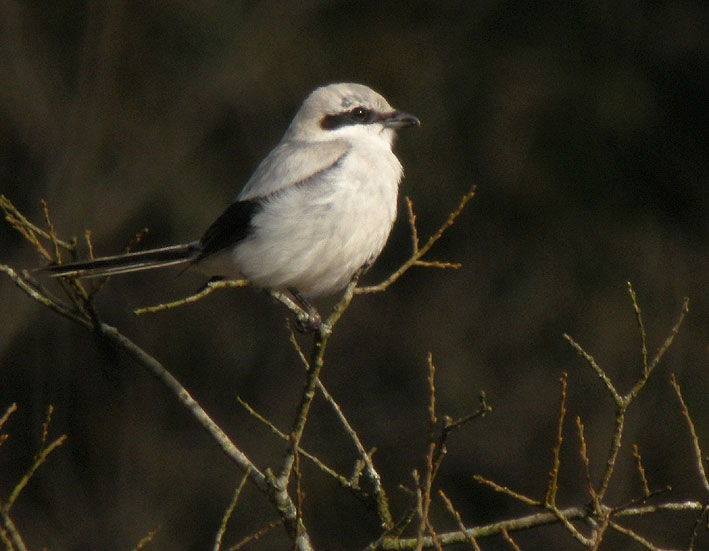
x,y
584,127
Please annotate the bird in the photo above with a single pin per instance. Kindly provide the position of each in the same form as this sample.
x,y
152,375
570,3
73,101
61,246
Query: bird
x,y
316,211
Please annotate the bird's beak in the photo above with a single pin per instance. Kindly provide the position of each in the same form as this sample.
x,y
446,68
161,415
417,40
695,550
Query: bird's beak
x,y
398,119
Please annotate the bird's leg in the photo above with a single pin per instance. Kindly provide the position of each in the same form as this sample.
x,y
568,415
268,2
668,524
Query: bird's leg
x,y
310,319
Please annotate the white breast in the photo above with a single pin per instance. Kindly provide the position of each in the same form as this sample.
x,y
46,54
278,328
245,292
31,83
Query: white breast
x,y
315,235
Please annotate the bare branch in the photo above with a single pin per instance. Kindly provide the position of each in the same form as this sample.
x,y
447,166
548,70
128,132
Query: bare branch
x,y
698,456
636,537
145,540
592,362
185,398
229,512
419,252
27,286
383,510
527,522
553,486
343,481
660,353
583,452
29,231
505,490
208,289
641,471
39,459
12,408
10,535
641,326
256,535
456,515
508,539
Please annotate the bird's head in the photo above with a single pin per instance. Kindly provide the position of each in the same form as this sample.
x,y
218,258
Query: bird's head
x,y
347,110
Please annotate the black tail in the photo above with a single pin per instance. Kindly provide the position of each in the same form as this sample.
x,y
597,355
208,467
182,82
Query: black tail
x,y
126,263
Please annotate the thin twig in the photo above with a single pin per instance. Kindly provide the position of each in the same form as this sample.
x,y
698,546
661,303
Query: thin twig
x,y
544,518
641,471
583,452
28,230
229,512
456,515
508,539
419,252
39,459
382,502
698,456
33,292
647,544
185,398
507,491
380,497
423,489
10,534
592,362
278,485
145,540
12,408
256,535
208,289
660,352
641,326
342,480
553,486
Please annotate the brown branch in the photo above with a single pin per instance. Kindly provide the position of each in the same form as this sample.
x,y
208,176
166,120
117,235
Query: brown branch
x,y
365,464
10,535
229,512
505,490
419,252
343,481
525,523
208,289
380,497
553,486
508,539
456,515
39,459
623,402
145,540
583,452
660,353
698,456
12,408
641,471
641,326
635,537
601,374
29,231
433,458
278,485
256,535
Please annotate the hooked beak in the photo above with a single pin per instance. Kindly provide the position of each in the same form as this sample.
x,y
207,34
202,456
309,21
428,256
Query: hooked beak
x,y
398,119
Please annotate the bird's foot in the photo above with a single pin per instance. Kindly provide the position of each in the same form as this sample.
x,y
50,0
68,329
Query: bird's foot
x,y
308,321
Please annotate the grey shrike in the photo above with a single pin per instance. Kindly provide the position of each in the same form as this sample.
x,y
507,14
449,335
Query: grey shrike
x,y
317,209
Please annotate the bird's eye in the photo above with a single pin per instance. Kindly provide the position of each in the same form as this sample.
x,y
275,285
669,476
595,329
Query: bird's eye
x,y
359,114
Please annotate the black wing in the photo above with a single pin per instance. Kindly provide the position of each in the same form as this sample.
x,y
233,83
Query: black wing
x,y
231,227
